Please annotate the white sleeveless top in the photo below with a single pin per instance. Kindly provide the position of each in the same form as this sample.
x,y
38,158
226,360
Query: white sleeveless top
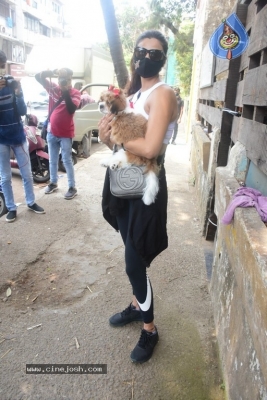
x,y
138,102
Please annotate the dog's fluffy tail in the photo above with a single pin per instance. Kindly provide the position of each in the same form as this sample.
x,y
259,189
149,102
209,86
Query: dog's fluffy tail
x,y
151,189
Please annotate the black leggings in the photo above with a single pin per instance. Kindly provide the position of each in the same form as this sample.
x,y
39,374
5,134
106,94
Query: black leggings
x,y
135,266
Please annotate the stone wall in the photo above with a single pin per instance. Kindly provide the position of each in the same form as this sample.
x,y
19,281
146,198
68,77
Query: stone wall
x,y
204,150
239,294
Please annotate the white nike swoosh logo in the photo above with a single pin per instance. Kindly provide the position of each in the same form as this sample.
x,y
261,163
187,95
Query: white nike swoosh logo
x,y
146,305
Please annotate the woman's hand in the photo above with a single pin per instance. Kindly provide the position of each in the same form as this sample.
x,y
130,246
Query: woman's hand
x,y
104,129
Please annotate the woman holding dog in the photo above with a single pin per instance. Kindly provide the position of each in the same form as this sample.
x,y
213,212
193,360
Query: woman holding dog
x,y
143,228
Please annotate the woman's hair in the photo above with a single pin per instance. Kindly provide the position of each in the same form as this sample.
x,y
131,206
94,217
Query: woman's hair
x,y
135,83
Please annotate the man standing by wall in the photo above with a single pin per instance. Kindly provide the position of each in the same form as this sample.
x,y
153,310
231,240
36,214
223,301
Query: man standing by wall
x,y
12,137
180,105
63,100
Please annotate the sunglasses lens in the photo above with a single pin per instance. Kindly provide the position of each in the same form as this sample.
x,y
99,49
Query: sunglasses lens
x,y
140,53
155,55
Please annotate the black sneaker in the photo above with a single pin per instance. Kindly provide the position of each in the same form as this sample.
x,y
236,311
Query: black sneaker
x,y
144,349
70,193
37,209
11,216
130,314
51,188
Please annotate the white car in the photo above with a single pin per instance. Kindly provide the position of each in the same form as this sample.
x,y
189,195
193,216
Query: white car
x,y
86,119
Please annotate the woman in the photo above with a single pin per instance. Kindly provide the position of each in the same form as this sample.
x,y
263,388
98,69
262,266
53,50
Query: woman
x,y
143,228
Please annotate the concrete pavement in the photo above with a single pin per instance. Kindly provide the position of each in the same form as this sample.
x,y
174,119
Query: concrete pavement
x,y
66,273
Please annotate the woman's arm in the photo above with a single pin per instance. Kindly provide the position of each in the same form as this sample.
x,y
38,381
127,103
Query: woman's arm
x,y
162,109
104,130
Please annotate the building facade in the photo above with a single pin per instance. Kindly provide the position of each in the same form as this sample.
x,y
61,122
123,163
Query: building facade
x,y
23,23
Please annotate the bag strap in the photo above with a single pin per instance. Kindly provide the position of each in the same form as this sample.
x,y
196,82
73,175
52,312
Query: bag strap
x,y
54,106
18,118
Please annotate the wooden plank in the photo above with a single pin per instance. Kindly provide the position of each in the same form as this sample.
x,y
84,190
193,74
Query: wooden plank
x,y
250,15
215,92
211,114
255,87
221,65
258,38
241,12
239,94
250,12
253,136
244,61
235,129
232,83
223,152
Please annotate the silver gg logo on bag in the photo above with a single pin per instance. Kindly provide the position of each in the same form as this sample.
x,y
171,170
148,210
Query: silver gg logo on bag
x,y
133,175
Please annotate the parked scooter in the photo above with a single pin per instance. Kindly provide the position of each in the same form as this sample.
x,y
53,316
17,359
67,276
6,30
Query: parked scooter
x,y
39,158
61,166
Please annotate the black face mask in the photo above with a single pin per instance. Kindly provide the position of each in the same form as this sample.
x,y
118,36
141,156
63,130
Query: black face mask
x,y
147,68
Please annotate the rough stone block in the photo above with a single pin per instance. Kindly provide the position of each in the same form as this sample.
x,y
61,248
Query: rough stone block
x,y
239,294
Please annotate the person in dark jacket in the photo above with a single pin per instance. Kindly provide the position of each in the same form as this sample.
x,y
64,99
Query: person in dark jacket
x,y
64,101
143,228
12,137
180,107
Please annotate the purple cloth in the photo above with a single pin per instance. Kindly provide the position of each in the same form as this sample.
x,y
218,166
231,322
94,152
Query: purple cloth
x,y
246,197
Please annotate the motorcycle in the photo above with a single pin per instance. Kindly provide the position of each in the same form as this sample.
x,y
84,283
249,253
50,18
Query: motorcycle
x,y
61,166
39,158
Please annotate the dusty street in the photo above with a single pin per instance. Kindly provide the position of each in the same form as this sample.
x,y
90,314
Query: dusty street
x,y
66,273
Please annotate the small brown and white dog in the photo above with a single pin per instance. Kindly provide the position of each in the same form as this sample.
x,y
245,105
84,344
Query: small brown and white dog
x,y
127,126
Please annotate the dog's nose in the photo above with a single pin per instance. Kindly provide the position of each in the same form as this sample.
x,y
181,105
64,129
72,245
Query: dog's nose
x,y
101,106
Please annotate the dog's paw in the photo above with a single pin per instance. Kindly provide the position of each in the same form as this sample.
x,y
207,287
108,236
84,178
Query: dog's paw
x,y
115,165
104,163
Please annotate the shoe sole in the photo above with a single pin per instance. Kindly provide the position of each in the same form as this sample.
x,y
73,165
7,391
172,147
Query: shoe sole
x,y
51,191
119,325
37,212
11,220
69,198
140,362
124,323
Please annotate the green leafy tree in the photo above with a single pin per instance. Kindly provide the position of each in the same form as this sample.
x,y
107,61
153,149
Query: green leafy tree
x,y
131,22
177,16
169,13
124,28
183,46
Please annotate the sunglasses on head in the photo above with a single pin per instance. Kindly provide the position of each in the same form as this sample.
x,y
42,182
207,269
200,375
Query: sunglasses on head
x,y
154,55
